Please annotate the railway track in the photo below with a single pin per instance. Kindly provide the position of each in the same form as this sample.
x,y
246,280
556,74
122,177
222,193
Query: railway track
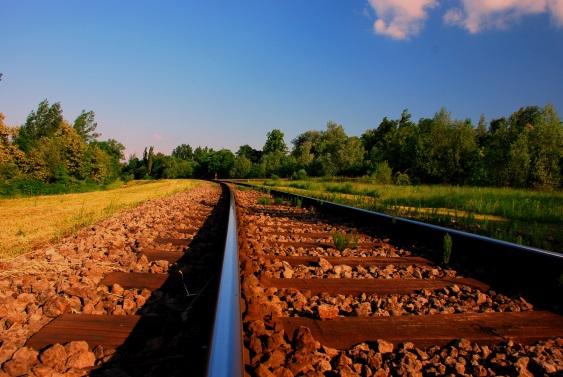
x,y
373,307
277,289
145,312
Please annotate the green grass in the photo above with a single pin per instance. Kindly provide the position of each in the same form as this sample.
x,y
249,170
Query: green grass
x,y
29,187
528,217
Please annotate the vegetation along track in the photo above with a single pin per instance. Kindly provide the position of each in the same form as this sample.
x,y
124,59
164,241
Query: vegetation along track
x,y
324,295
131,295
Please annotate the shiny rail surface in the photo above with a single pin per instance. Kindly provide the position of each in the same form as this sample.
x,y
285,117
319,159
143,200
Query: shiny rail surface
x,y
225,354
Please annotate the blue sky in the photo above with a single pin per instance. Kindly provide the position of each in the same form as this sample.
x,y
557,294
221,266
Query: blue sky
x,y
224,73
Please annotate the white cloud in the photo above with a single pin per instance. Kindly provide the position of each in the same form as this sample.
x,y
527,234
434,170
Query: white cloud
x,y
477,15
400,19
403,19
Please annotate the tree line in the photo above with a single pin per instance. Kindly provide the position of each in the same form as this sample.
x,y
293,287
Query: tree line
x,y
524,149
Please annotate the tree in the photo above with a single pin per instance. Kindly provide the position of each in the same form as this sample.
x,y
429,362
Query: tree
x,y
72,149
274,142
250,153
221,163
241,167
183,152
148,159
85,126
12,159
40,123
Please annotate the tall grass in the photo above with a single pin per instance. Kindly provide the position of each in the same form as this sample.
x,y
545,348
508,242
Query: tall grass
x,y
530,217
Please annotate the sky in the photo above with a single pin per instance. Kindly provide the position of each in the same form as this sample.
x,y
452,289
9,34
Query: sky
x,y
224,73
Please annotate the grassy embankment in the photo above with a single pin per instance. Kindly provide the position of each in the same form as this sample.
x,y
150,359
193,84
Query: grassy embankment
x,y
29,222
528,217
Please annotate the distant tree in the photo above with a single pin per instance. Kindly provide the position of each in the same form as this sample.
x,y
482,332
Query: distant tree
x,y
221,162
274,142
42,122
250,153
519,161
85,126
241,167
12,159
148,159
183,152
305,147
72,148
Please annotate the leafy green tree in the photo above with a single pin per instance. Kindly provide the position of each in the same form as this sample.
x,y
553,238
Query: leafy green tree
x,y
250,153
85,126
42,122
274,142
183,152
72,149
519,162
100,164
221,163
241,167
546,149
148,159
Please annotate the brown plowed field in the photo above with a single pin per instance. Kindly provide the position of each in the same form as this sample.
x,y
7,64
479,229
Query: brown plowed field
x,y
373,309
127,296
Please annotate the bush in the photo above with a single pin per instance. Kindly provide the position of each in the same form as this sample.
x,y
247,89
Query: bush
x,y
383,173
299,175
402,179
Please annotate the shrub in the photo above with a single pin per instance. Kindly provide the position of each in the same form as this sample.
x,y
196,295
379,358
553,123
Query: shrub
x,y
402,179
299,175
278,201
383,173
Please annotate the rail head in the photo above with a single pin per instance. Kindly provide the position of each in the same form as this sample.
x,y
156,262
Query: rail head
x,y
225,353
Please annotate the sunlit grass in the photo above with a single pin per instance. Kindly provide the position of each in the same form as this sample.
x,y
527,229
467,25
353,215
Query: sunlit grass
x,y
29,222
530,217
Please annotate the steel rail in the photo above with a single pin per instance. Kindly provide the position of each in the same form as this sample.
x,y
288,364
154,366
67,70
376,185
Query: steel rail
x,y
225,354
514,265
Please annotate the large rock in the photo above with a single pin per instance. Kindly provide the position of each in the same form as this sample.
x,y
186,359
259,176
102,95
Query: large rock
x,y
384,346
55,306
55,357
328,311
22,362
81,360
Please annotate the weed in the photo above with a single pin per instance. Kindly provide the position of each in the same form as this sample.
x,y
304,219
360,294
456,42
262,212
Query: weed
x,y
278,201
343,241
297,202
264,200
447,249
